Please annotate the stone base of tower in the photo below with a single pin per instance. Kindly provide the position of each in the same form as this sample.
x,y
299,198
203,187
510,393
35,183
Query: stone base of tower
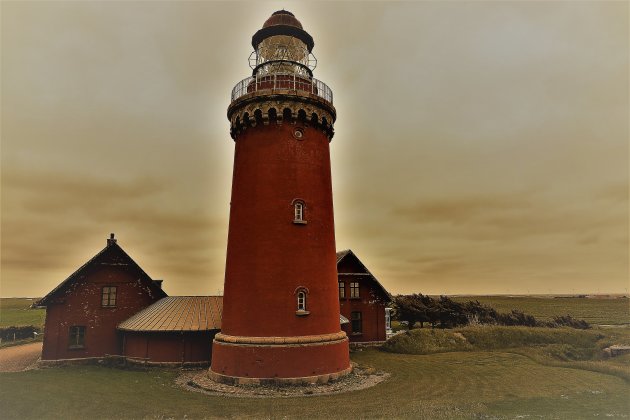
x,y
283,360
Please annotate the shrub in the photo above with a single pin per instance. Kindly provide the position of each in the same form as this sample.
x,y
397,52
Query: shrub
x,y
19,333
447,313
569,344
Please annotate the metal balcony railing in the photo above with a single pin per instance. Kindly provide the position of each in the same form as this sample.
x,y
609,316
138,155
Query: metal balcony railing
x,y
284,81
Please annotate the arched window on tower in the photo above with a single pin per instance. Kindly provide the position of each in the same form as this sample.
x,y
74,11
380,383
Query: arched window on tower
x,y
299,208
301,301
301,294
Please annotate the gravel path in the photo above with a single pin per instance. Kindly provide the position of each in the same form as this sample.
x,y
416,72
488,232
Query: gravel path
x,y
359,378
19,358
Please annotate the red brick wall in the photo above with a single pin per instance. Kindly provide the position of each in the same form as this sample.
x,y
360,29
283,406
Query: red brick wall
x,y
169,346
280,361
268,256
373,319
80,305
370,302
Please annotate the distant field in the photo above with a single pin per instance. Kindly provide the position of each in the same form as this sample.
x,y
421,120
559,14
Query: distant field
x,y
16,312
595,311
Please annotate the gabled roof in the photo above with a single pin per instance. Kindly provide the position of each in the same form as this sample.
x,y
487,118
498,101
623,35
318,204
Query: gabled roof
x,y
112,248
178,313
342,254
347,253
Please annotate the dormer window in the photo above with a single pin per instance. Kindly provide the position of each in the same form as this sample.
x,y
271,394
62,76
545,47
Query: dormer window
x,y
298,212
301,294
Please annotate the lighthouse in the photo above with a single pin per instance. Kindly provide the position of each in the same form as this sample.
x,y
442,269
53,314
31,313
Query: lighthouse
x,y
280,320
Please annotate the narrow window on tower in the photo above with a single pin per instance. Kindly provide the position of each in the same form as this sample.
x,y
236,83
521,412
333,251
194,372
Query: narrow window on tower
x,y
301,301
301,296
298,212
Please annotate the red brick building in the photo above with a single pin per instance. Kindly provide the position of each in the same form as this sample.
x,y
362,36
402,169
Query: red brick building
x,y
110,306
176,329
82,313
363,301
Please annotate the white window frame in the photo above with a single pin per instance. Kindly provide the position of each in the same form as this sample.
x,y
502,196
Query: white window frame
x,y
355,290
109,296
301,300
298,210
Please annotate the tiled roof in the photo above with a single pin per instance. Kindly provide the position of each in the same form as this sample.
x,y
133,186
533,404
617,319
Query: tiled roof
x,y
178,313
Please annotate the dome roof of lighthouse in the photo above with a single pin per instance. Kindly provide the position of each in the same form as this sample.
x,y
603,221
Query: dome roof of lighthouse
x,y
282,23
282,17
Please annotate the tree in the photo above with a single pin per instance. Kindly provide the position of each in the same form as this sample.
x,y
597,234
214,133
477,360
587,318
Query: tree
x,y
412,309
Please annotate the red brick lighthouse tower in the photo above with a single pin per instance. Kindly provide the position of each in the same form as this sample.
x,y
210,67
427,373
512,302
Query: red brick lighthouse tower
x,y
281,309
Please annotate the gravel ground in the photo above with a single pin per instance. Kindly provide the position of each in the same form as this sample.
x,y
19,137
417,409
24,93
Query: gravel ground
x,y
359,378
19,358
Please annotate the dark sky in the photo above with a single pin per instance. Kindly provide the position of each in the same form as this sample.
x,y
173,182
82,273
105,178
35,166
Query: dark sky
x,y
480,147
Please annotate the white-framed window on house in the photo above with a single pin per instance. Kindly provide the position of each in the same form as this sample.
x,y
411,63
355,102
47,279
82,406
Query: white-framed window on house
x,y
354,289
342,290
299,212
76,337
108,297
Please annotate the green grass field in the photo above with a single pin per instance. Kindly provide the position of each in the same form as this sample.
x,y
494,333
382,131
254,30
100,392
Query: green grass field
x,y
497,384
498,373
593,310
16,312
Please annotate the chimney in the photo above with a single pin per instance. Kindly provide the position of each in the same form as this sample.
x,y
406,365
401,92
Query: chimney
x,y
158,283
111,240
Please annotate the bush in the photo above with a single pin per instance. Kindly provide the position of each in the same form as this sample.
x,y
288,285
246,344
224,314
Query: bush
x,y
18,333
569,343
426,341
447,313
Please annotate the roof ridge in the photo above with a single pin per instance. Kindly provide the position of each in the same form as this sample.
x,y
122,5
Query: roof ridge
x,y
78,271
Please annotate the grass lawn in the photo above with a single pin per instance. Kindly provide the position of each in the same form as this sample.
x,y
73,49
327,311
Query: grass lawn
x,y
16,312
497,384
554,374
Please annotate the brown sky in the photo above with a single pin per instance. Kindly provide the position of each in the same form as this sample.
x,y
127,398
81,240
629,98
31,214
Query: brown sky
x,y
480,147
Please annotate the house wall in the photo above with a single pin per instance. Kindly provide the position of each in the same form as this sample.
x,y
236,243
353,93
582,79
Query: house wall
x,y
80,305
370,303
173,347
373,321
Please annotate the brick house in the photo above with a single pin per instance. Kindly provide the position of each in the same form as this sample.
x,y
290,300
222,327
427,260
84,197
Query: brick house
x,y
83,311
110,306
362,300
